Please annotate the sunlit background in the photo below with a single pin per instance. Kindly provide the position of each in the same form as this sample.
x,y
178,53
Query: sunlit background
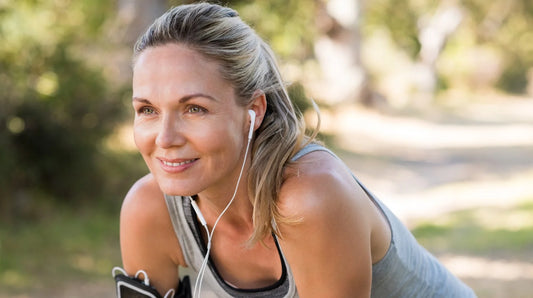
x,y
429,102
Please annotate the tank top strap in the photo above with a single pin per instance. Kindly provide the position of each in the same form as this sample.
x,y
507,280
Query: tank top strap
x,y
310,148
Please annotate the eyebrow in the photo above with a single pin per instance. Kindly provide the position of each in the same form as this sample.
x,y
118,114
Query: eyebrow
x,y
181,100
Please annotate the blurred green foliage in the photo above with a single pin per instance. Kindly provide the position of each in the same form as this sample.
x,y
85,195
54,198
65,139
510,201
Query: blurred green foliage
x,y
288,26
56,108
399,18
504,26
507,26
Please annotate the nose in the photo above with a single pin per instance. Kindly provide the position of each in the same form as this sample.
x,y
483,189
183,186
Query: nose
x,y
170,134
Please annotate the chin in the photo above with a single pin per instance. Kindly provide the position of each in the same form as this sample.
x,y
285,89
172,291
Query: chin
x,y
172,188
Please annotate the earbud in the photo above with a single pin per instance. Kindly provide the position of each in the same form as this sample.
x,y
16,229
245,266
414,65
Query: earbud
x,y
252,123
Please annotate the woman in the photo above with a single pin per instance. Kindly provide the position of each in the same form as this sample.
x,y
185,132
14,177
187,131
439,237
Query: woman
x,y
297,223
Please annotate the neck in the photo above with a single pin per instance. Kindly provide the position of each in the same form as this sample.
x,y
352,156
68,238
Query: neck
x,y
214,200
212,205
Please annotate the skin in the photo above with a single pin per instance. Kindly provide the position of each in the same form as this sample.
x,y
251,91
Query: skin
x,y
192,135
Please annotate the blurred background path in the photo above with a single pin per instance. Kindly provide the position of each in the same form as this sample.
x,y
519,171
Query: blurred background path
x,y
481,155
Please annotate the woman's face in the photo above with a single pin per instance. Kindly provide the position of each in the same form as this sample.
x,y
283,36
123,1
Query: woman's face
x,y
188,127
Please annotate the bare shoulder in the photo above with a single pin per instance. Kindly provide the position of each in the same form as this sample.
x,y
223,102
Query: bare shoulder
x,y
147,238
332,214
320,183
144,199
144,207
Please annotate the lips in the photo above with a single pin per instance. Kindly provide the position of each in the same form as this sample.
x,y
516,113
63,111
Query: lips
x,y
176,165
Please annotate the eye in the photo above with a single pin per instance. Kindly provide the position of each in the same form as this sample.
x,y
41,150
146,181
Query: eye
x,y
193,109
147,111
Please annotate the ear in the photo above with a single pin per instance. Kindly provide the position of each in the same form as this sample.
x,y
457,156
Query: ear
x,y
259,106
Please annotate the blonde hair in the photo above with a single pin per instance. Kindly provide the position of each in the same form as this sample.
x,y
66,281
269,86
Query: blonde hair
x,y
249,64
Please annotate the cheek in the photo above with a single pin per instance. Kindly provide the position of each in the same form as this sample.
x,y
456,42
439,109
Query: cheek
x,y
218,130
143,137
220,139
215,140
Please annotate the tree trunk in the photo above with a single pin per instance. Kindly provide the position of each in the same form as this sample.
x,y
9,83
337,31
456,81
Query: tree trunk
x,y
433,33
338,52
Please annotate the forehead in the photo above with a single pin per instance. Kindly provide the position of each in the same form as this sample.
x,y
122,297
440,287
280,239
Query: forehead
x,y
173,56
175,68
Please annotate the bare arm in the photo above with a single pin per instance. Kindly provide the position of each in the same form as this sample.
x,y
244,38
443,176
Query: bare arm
x,y
147,238
329,250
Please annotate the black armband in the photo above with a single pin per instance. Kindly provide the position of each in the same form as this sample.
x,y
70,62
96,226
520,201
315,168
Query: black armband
x,y
135,287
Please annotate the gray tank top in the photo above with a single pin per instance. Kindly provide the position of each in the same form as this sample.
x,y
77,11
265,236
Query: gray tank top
x,y
406,270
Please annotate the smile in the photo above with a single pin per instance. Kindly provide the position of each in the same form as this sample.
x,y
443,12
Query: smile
x,y
177,164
